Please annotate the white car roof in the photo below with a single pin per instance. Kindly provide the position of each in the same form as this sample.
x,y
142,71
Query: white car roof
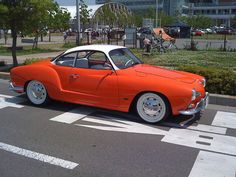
x,y
102,48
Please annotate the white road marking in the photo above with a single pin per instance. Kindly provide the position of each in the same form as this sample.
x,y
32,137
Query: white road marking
x,y
225,119
180,136
38,156
217,143
73,115
122,126
204,137
208,128
199,127
10,101
6,96
210,164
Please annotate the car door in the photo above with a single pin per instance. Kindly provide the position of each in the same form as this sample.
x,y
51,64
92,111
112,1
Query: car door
x,y
63,66
93,79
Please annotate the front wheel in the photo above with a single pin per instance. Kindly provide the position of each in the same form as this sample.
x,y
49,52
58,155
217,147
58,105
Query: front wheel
x,y
152,107
37,93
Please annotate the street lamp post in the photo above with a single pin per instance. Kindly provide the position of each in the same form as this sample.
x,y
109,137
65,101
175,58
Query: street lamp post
x,y
78,22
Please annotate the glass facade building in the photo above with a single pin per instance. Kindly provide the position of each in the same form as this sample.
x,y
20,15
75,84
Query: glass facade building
x,y
220,11
170,7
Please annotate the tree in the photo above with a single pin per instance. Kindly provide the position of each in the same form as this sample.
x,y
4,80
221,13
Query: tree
x,y
151,13
25,17
58,19
198,21
84,13
166,19
113,16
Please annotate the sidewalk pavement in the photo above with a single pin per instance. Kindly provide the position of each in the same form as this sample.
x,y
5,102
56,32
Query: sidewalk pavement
x,y
22,58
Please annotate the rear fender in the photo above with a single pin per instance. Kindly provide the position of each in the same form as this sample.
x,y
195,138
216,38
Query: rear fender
x,y
45,74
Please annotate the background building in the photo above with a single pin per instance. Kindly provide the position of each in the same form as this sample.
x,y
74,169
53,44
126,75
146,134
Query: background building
x,y
73,2
220,11
170,7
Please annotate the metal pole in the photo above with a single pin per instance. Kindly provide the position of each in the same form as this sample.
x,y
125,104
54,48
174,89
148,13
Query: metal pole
x,y
78,22
156,13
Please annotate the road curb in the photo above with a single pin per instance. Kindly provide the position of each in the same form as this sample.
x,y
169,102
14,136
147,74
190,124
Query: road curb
x,y
4,75
223,100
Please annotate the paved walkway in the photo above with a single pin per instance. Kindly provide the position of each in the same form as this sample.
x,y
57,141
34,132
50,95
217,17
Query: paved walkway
x,y
22,58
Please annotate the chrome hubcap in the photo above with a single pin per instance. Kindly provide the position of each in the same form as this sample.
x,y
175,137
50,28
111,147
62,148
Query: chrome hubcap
x,y
152,107
36,92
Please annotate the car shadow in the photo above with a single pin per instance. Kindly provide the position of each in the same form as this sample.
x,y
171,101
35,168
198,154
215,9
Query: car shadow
x,y
179,121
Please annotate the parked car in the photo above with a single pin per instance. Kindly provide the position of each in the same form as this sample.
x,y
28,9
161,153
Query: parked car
x,y
144,31
111,77
225,30
197,32
208,31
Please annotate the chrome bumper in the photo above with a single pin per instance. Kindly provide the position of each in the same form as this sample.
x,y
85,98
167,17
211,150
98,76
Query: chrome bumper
x,y
200,106
17,89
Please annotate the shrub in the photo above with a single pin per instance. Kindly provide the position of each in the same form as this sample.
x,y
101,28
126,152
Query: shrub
x,y
33,60
220,81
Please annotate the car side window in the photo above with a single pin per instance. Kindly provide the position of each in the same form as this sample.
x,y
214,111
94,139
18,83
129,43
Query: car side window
x,y
81,60
99,61
67,60
98,56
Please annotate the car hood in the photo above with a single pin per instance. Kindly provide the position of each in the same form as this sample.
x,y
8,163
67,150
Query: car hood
x,y
166,73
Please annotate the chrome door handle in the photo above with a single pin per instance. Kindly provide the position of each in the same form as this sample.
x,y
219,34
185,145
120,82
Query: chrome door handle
x,y
74,76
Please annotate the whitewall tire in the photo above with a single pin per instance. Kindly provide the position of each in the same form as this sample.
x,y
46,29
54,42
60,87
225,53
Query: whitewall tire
x,y
152,107
37,93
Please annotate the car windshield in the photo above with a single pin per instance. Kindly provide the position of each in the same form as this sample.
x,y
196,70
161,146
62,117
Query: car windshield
x,y
124,58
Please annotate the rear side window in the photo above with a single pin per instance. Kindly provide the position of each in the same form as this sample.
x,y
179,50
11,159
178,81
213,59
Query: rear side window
x,y
67,59
98,56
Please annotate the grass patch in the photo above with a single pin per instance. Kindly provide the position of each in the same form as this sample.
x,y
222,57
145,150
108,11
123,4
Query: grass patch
x,y
217,59
26,51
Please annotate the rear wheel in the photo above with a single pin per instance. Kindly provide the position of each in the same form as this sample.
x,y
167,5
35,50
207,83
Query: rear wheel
x,y
37,93
152,107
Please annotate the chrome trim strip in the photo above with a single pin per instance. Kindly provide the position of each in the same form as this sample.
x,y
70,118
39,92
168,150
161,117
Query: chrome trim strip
x,y
201,105
15,88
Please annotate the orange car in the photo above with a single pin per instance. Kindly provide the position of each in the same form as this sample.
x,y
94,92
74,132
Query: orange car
x,y
111,77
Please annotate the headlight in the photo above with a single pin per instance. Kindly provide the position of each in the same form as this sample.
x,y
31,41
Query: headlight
x,y
194,94
203,82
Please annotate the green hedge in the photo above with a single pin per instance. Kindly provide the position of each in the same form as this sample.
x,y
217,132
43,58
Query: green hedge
x,y
33,60
220,81
2,63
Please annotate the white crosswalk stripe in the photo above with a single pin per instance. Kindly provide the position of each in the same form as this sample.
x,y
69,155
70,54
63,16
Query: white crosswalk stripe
x,y
202,140
10,101
225,119
210,164
73,115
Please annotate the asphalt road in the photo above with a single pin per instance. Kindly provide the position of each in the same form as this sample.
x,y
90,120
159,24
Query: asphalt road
x,y
66,140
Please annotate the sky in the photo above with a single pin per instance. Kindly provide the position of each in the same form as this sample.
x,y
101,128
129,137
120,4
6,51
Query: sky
x,y
72,2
